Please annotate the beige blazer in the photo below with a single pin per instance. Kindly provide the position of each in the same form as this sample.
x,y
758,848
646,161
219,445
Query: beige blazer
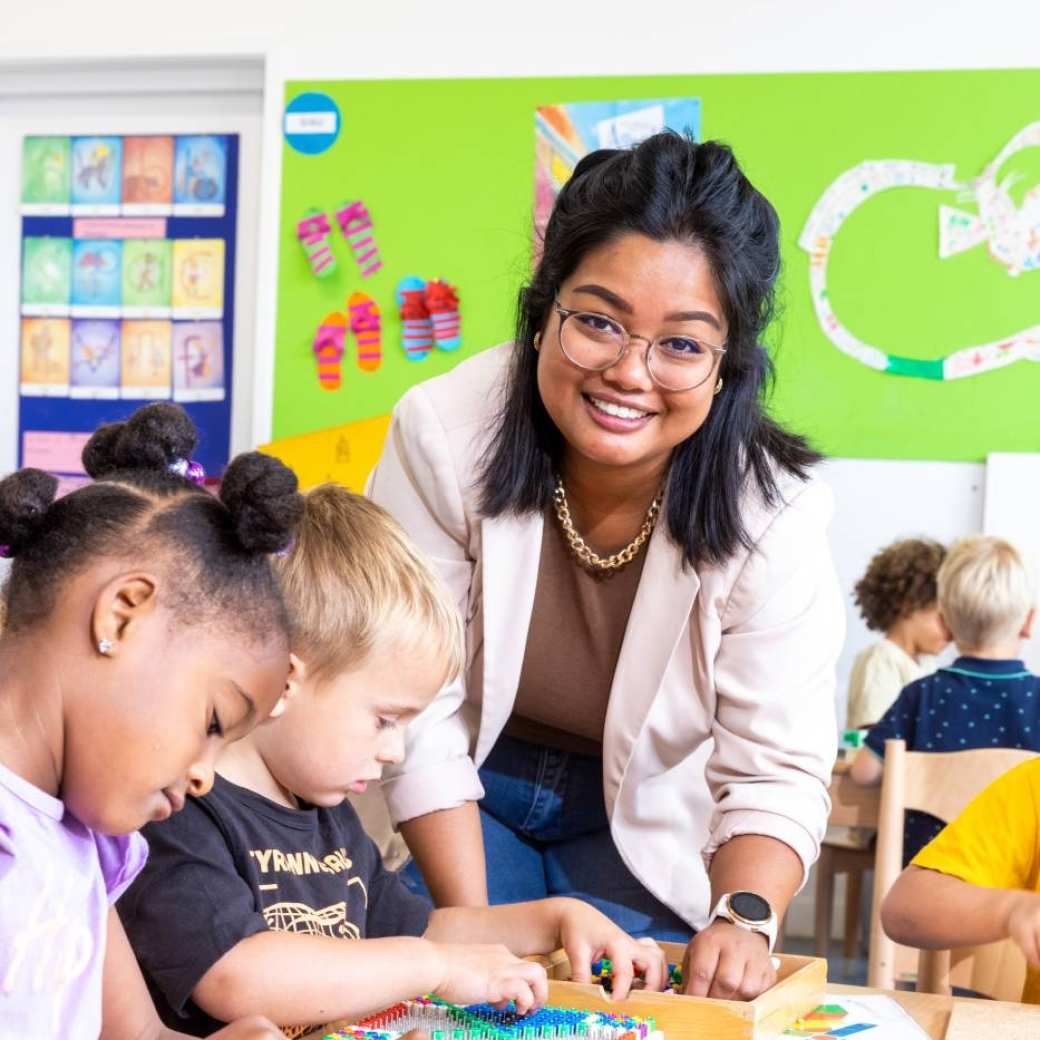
x,y
721,717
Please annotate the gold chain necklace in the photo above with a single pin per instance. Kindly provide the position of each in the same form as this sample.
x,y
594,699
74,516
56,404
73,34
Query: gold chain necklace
x,y
580,547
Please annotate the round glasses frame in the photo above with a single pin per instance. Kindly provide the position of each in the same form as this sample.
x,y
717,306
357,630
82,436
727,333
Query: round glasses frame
x,y
567,312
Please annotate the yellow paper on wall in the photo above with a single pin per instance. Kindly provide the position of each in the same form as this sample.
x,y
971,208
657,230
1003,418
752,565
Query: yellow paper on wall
x,y
341,454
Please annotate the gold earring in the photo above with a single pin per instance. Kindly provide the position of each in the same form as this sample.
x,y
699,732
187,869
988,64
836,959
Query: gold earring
x,y
718,386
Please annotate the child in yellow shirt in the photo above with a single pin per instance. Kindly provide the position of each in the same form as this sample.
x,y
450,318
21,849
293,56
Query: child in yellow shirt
x,y
979,880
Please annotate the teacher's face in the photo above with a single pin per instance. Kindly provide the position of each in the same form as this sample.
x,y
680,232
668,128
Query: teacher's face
x,y
651,289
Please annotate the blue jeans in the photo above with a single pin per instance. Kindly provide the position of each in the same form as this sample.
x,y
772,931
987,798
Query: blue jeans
x,y
546,833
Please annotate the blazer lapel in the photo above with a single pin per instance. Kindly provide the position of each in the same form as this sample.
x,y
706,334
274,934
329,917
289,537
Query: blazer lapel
x,y
660,615
511,550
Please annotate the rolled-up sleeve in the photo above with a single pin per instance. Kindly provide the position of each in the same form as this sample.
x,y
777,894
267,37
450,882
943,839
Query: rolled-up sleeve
x,y
417,482
775,731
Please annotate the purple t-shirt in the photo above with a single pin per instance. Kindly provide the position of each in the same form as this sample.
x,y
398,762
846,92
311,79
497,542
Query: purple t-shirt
x,y
57,881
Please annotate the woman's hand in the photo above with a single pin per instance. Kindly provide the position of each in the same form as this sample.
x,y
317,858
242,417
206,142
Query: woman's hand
x,y
727,962
587,935
489,975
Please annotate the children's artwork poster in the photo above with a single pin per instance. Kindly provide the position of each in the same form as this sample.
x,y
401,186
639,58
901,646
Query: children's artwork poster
x,y
146,355
909,207
198,361
148,176
97,175
128,254
200,177
47,176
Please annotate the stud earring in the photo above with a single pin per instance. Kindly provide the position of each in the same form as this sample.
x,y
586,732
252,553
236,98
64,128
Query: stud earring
x,y
105,647
718,387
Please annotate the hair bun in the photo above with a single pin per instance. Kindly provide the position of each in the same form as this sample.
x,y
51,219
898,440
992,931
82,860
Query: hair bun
x,y
25,497
262,495
152,438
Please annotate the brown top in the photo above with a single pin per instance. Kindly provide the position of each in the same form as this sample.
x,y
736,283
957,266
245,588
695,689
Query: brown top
x,y
573,643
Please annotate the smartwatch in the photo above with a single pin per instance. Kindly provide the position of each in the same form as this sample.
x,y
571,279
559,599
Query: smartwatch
x,y
748,911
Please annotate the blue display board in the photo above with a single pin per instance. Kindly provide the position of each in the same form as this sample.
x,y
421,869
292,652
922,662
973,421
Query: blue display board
x,y
128,274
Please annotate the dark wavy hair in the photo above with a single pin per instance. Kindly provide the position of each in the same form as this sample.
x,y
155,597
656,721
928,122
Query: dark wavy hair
x,y
666,188
901,578
214,551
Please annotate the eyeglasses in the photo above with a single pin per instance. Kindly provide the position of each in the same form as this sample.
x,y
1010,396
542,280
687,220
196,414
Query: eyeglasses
x,y
595,342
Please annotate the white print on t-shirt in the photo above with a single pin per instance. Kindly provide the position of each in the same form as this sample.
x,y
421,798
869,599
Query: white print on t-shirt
x,y
52,944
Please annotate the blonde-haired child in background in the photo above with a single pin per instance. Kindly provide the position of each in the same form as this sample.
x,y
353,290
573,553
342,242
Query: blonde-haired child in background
x,y
987,697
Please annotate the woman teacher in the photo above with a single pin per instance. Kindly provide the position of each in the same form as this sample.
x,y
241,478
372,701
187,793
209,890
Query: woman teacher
x,y
646,719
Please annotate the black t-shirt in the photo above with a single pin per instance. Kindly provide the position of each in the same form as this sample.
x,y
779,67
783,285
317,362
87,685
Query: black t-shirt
x,y
234,863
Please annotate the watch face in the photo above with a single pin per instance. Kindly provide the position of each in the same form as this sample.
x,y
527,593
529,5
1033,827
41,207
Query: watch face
x,y
750,907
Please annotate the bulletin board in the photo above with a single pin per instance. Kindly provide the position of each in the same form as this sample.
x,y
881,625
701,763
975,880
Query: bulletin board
x,y
909,325
128,260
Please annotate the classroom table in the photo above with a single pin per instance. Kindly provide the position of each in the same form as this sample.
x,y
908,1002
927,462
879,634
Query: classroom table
x,y
933,1013
852,805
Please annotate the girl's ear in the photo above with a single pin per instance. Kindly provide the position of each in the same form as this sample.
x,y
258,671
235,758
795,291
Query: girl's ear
x,y
293,684
120,608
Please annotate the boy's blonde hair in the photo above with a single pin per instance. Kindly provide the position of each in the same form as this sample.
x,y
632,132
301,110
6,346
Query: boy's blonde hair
x,y
355,583
985,591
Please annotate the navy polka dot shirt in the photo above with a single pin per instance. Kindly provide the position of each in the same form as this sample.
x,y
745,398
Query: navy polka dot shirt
x,y
975,703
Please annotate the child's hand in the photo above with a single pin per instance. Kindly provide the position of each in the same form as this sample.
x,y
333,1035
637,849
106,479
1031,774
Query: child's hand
x,y
253,1028
587,935
1023,925
490,975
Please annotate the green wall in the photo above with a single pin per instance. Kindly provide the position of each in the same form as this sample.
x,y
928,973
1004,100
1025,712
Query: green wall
x,y
446,169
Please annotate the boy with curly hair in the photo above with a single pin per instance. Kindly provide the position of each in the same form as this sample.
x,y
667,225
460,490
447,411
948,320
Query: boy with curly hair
x,y
896,596
987,697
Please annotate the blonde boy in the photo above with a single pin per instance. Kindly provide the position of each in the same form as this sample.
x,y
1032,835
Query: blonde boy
x,y
251,890
987,697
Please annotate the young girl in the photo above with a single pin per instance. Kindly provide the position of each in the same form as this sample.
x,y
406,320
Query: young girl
x,y
144,631
897,596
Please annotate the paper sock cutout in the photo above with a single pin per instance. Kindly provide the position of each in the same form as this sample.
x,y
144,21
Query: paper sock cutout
x,y
364,323
442,301
416,327
356,226
328,346
314,232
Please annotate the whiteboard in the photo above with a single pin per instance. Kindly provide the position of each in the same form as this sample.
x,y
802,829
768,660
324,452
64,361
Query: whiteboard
x,y
1013,512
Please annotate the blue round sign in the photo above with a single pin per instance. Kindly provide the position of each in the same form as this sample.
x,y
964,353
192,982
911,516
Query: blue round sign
x,y
312,123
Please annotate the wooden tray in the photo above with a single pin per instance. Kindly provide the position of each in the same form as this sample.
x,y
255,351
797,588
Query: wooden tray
x,y
800,987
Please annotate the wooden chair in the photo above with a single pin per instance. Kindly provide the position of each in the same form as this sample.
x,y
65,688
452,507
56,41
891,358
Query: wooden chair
x,y
840,855
942,784
854,807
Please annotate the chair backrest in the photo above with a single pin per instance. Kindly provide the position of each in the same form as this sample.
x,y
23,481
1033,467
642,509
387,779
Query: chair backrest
x,y
942,784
